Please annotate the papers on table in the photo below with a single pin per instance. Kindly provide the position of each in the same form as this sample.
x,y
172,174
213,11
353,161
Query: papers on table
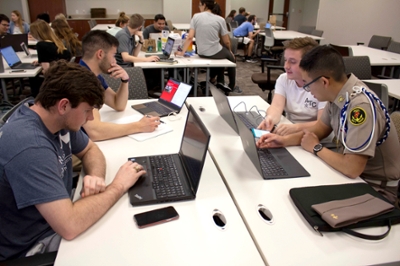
x,y
163,128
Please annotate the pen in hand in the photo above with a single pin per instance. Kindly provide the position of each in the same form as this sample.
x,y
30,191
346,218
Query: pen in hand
x,y
149,116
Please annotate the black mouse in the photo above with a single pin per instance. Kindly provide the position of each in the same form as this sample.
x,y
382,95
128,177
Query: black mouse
x,y
202,109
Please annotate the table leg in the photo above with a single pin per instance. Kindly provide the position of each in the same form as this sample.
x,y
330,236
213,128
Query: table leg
x,y
162,79
195,82
4,88
207,78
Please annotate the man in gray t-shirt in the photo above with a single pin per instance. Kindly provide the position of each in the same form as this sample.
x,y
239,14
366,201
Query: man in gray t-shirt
x,y
157,27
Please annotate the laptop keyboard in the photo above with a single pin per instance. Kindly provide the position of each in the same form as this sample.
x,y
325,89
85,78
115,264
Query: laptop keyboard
x,y
158,108
269,165
166,183
247,119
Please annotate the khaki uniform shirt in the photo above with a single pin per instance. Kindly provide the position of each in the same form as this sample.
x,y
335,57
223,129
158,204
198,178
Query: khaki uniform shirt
x,y
383,161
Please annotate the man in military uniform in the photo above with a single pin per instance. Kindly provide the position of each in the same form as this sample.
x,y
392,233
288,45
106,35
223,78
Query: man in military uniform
x,y
367,146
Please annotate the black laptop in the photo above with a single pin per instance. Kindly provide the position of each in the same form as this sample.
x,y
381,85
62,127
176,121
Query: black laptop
x,y
13,60
167,49
270,163
171,100
250,118
173,177
13,40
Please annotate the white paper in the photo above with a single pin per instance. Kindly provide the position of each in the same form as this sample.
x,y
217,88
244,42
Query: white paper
x,y
163,128
203,62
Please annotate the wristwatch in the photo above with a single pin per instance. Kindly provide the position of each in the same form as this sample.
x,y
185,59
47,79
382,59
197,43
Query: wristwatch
x,y
317,148
140,42
124,80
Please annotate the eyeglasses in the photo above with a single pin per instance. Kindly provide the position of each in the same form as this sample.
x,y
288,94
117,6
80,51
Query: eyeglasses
x,y
306,87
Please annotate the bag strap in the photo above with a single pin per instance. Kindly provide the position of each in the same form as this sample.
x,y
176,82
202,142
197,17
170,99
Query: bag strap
x,y
368,237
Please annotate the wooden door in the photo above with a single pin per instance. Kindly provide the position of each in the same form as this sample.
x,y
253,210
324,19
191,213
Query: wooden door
x,y
280,8
52,7
195,6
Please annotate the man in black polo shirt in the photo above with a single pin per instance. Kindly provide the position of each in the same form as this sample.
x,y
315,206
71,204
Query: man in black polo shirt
x,y
240,18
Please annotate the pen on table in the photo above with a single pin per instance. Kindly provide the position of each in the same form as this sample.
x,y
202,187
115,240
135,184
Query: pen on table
x,y
149,116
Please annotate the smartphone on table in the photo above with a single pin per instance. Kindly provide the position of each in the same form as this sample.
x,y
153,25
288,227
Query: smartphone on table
x,y
154,217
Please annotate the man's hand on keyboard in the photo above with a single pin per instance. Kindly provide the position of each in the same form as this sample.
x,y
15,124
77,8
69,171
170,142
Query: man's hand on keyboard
x,y
127,176
152,58
148,123
270,141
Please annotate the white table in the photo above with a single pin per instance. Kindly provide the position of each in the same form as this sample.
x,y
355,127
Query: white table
x,y
193,239
290,34
392,84
28,73
182,26
376,57
103,27
289,239
187,63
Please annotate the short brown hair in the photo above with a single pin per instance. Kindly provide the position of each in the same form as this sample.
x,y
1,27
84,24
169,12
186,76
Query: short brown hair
x,y
135,21
304,44
72,81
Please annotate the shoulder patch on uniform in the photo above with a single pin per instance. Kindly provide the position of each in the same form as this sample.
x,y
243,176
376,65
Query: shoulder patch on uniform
x,y
358,116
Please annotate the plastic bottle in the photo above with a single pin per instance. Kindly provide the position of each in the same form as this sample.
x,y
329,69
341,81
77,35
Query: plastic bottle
x,y
159,45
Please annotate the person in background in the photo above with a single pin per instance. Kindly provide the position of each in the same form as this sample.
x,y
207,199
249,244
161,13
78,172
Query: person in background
x,y
207,28
247,30
121,22
99,49
61,16
44,16
4,24
67,36
240,18
17,25
36,171
367,142
157,27
49,48
300,106
128,51
230,17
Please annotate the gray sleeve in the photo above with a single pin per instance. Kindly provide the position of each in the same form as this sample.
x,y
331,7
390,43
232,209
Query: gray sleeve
x,y
193,22
146,33
223,29
124,41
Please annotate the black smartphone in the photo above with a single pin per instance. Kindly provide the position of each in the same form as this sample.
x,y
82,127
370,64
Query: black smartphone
x,y
154,217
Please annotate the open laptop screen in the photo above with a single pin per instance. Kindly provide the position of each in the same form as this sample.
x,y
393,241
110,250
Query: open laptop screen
x,y
175,92
10,56
194,147
169,46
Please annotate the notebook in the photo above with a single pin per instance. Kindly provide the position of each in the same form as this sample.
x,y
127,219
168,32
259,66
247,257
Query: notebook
x,y
171,100
26,50
13,60
270,163
250,119
13,40
167,49
173,177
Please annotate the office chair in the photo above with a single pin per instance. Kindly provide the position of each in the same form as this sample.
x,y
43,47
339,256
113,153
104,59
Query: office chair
x,y
137,83
360,66
317,33
306,29
233,25
394,47
343,50
381,90
379,42
7,115
269,43
264,80
92,23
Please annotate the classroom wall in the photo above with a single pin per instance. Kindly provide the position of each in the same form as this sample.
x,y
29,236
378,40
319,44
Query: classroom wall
x,y
295,14
79,7
178,11
352,21
310,12
255,7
